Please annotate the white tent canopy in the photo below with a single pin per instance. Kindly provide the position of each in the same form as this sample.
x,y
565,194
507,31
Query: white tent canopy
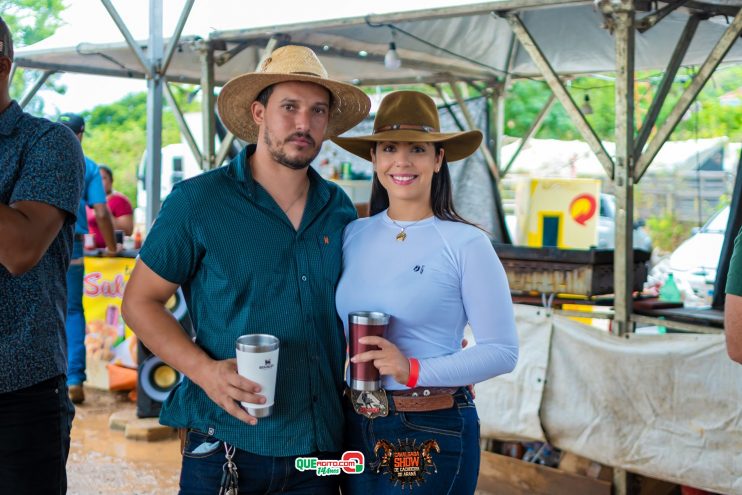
x,y
468,42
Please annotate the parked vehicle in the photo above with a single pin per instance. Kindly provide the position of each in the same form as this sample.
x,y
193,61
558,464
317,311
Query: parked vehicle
x,y
178,163
695,261
607,227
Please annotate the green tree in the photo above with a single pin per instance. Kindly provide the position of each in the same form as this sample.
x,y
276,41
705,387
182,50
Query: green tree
x,y
31,21
667,232
116,135
709,117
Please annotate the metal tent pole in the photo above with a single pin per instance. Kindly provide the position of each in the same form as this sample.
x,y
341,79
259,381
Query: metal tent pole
x,y
560,92
537,123
208,154
623,255
35,88
154,112
182,124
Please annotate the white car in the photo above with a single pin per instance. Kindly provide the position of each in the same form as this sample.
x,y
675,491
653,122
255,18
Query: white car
x,y
694,262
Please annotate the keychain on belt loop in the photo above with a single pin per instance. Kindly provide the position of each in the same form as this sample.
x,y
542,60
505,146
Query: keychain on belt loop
x,y
230,478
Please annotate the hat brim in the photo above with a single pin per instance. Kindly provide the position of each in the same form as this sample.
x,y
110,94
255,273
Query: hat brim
x,y
349,106
458,145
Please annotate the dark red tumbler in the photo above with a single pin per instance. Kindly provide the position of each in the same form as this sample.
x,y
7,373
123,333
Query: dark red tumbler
x,y
365,376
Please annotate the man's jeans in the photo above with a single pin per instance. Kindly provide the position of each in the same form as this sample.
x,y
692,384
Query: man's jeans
x,y
75,324
203,464
455,430
35,425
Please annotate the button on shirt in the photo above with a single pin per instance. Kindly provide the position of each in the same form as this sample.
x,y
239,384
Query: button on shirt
x,y
244,269
39,161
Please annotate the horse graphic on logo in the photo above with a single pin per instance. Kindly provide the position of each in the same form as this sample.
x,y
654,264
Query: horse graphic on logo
x,y
406,463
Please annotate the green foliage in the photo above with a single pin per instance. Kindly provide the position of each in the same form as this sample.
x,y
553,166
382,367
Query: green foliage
x,y
115,135
667,232
724,200
709,117
31,21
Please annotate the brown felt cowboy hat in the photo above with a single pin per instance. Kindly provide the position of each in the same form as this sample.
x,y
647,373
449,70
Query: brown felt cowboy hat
x,y
349,104
411,116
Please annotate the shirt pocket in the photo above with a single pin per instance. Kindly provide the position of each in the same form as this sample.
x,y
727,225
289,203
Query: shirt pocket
x,y
331,254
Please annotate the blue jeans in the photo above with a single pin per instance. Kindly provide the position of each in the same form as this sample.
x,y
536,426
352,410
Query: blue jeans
x,y
455,430
35,425
75,324
204,459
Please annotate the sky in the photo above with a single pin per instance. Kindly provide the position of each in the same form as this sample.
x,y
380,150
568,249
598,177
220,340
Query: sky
x,y
88,21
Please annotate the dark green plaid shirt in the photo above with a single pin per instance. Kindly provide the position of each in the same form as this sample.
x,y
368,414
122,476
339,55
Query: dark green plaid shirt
x,y
244,269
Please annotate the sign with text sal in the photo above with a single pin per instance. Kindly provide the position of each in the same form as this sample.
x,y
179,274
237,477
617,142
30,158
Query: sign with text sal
x,y
558,212
107,338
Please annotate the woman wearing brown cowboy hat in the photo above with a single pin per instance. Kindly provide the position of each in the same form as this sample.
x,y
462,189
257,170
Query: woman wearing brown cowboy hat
x,y
417,260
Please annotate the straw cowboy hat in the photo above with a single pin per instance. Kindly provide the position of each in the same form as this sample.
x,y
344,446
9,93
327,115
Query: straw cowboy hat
x,y
349,104
411,116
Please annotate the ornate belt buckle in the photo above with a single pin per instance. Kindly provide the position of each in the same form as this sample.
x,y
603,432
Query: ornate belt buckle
x,y
372,404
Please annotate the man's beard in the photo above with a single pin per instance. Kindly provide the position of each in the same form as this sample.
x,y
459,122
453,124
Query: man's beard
x,y
279,156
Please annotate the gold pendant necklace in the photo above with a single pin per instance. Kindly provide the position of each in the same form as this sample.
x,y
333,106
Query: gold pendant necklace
x,y
402,235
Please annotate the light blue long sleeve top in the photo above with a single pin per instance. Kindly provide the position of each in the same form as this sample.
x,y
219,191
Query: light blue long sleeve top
x,y
443,276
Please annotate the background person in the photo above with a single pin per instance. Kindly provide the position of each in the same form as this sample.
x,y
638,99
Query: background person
x,y
256,247
733,303
118,204
417,260
92,195
41,175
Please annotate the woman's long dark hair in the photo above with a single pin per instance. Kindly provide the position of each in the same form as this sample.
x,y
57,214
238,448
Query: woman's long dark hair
x,y
441,194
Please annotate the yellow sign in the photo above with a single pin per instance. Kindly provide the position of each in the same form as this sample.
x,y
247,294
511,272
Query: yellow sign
x,y
558,212
107,338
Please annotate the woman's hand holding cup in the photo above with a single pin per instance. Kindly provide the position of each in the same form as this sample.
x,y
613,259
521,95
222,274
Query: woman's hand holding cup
x,y
388,359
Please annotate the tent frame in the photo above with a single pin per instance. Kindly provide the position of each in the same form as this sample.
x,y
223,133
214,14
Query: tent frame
x,y
631,160
632,157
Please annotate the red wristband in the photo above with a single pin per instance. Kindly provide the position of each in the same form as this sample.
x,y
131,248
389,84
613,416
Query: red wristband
x,y
414,372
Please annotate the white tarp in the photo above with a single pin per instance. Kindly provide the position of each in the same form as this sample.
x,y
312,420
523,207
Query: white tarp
x,y
666,406
508,405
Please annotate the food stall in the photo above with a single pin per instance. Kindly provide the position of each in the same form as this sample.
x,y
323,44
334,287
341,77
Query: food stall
x,y
108,340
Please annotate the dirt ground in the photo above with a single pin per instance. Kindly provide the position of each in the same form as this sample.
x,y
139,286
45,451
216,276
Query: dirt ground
x,y
102,461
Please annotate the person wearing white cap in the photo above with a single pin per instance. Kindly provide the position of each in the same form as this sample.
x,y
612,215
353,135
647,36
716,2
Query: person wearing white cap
x,y
41,177
256,246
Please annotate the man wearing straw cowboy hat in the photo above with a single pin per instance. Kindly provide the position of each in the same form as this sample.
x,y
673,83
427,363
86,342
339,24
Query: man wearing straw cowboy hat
x,y
256,246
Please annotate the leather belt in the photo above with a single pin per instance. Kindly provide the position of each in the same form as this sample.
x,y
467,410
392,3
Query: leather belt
x,y
423,399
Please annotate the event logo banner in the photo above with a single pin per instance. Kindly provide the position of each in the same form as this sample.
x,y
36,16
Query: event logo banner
x,y
406,463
